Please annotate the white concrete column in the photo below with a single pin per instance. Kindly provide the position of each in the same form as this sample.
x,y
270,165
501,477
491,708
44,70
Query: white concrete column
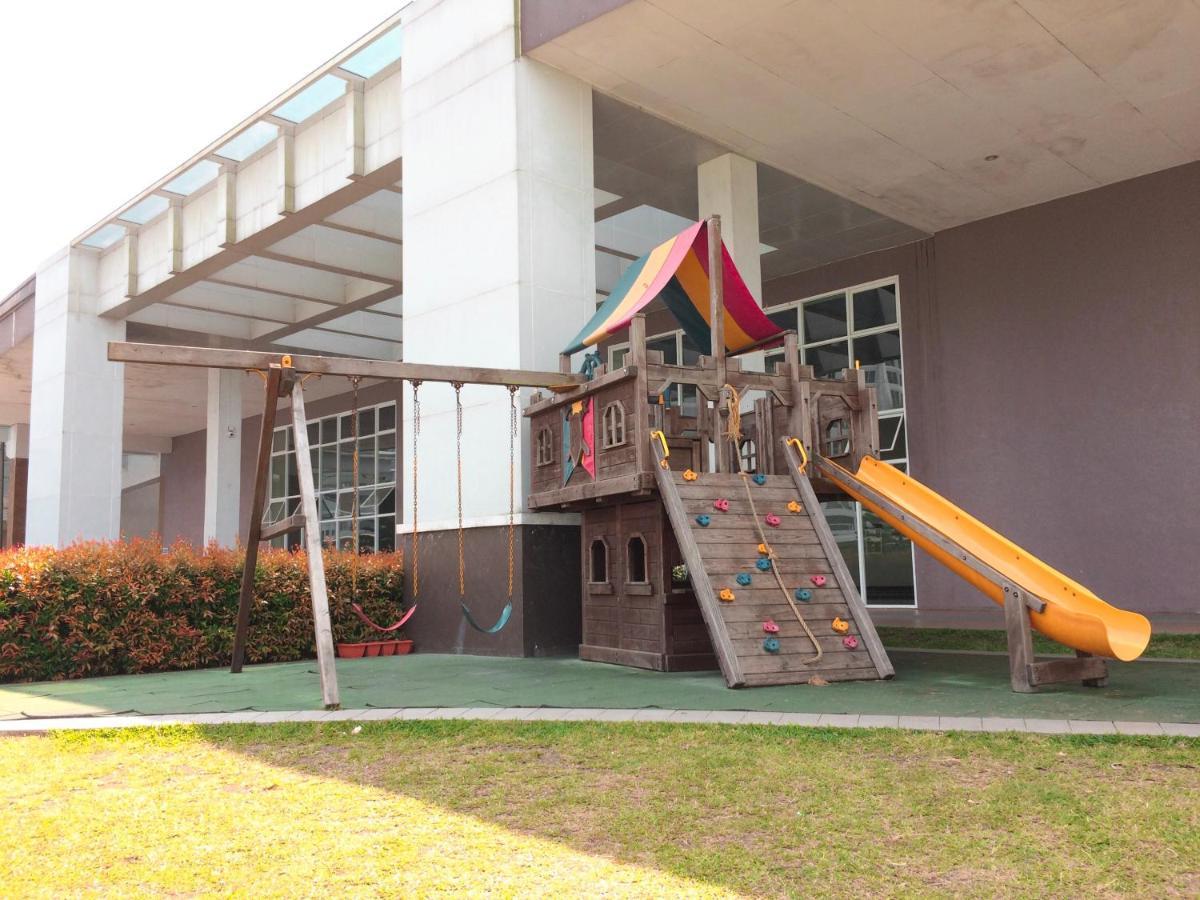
x,y
223,457
728,187
499,259
76,408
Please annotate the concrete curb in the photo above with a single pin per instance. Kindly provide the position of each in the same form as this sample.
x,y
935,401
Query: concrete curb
x,y
526,714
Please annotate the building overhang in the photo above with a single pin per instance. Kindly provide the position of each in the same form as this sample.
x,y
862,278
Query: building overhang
x,y
931,113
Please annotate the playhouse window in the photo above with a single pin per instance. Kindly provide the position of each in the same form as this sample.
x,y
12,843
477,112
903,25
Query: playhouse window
x,y
837,438
545,447
598,562
749,454
635,557
613,425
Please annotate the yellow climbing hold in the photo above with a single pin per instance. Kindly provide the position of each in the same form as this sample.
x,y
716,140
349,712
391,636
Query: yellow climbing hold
x,y
689,475
840,625
794,506
726,595
764,550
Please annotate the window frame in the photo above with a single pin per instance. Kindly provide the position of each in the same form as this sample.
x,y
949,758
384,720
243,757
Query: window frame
x,y
617,410
544,441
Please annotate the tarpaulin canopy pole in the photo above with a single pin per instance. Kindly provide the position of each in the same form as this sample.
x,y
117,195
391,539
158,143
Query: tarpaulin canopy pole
x,y
716,302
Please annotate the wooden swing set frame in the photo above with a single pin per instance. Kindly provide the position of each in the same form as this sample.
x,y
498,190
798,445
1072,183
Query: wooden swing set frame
x,y
283,377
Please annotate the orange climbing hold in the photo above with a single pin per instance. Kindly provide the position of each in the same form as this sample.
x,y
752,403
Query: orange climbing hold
x,y
689,475
794,506
840,625
764,550
726,595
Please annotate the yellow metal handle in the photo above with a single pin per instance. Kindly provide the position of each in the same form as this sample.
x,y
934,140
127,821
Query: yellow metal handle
x,y
795,442
662,440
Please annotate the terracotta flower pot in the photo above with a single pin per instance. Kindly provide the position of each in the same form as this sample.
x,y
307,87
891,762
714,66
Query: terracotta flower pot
x,y
403,648
374,648
351,651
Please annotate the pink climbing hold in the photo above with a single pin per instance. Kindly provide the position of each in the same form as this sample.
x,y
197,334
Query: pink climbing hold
x,y
773,520
722,505
770,627
818,580
850,642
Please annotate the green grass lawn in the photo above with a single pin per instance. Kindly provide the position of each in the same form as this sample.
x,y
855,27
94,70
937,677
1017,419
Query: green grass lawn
x,y
514,809
1162,646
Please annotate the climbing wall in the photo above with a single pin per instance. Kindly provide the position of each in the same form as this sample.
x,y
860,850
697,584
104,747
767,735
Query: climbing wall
x,y
755,632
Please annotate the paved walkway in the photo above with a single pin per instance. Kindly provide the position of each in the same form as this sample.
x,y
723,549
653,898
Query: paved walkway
x,y
693,716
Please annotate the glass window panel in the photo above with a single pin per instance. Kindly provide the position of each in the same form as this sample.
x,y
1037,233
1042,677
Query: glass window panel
x,y
293,504
387,458
842,517
773,362
104,237
875,307
366,461
193,179
879,354
279,441
329,479
274,512
278,482
346,427
344,538
825,319
327,506
376,56
312,99
667,345
366,422
314,433
828,360
293,482
893,442
691,351
329,534
888,558
345,452
366,535
387,534
145,210
329,430
249,141
787,319
387,417
387,500
618,357
346,503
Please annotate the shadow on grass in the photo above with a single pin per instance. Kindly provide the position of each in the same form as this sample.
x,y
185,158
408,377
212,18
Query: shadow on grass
x,y
783,811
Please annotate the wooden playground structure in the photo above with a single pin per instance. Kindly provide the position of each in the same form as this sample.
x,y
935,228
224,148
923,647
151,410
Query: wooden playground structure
x,y
703,541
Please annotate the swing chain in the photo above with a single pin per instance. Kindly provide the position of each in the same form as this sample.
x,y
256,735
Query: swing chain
x,y
416,426
458,429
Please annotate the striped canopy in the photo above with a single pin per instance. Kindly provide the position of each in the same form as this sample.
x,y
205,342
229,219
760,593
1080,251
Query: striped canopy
x,y
677,271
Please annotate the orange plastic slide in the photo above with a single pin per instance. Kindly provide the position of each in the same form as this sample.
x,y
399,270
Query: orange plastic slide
x,y
1074,616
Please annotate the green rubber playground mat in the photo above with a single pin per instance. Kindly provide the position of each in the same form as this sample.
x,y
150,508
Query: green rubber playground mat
x,y
926,684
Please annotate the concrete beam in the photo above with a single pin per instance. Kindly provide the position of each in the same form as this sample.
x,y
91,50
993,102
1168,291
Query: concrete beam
x,y
223,457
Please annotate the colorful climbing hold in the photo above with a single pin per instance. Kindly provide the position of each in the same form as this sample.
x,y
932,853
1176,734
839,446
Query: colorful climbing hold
x,y
722,504
764,550
818,580
771,644
703,521
726,595
770,627
763,564
850,642
840,625
773,520
689,475
743,579
794,506
803,594
760,479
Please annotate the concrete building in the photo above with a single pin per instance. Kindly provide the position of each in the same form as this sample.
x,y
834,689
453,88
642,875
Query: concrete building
x,y
994,209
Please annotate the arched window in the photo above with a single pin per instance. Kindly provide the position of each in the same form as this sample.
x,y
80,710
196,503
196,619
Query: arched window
x,y
837,438
545,447
635,560
612,428
598,562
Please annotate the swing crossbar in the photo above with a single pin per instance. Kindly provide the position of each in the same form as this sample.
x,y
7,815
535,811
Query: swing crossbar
x,y
306,364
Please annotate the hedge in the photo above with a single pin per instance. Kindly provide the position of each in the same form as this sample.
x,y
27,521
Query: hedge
x,y
127,607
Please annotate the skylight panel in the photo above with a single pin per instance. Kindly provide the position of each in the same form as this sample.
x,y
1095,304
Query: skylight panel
x,y
145,210
194,178
104,237
249,141
312,99
376,56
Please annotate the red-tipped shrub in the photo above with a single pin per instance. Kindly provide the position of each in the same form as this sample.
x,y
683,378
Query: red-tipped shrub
x,y
127,607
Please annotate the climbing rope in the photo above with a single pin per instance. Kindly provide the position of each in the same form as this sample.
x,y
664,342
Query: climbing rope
x,y
733,432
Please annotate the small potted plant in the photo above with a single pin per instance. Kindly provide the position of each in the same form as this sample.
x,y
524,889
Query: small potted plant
x,y
679,575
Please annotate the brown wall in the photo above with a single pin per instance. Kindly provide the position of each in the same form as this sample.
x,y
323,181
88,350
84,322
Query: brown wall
x,y
1052,367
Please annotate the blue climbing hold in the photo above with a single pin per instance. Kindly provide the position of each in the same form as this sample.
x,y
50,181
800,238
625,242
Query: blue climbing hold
x,y
743,579
703,521
760,479
764,564
771,644
803,594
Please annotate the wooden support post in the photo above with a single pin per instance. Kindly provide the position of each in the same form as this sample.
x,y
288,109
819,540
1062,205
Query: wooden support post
x,y
312,546
564,363
641,411
254,525
1020,639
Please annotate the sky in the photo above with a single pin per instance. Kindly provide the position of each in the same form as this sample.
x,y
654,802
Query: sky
x,y
100,99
